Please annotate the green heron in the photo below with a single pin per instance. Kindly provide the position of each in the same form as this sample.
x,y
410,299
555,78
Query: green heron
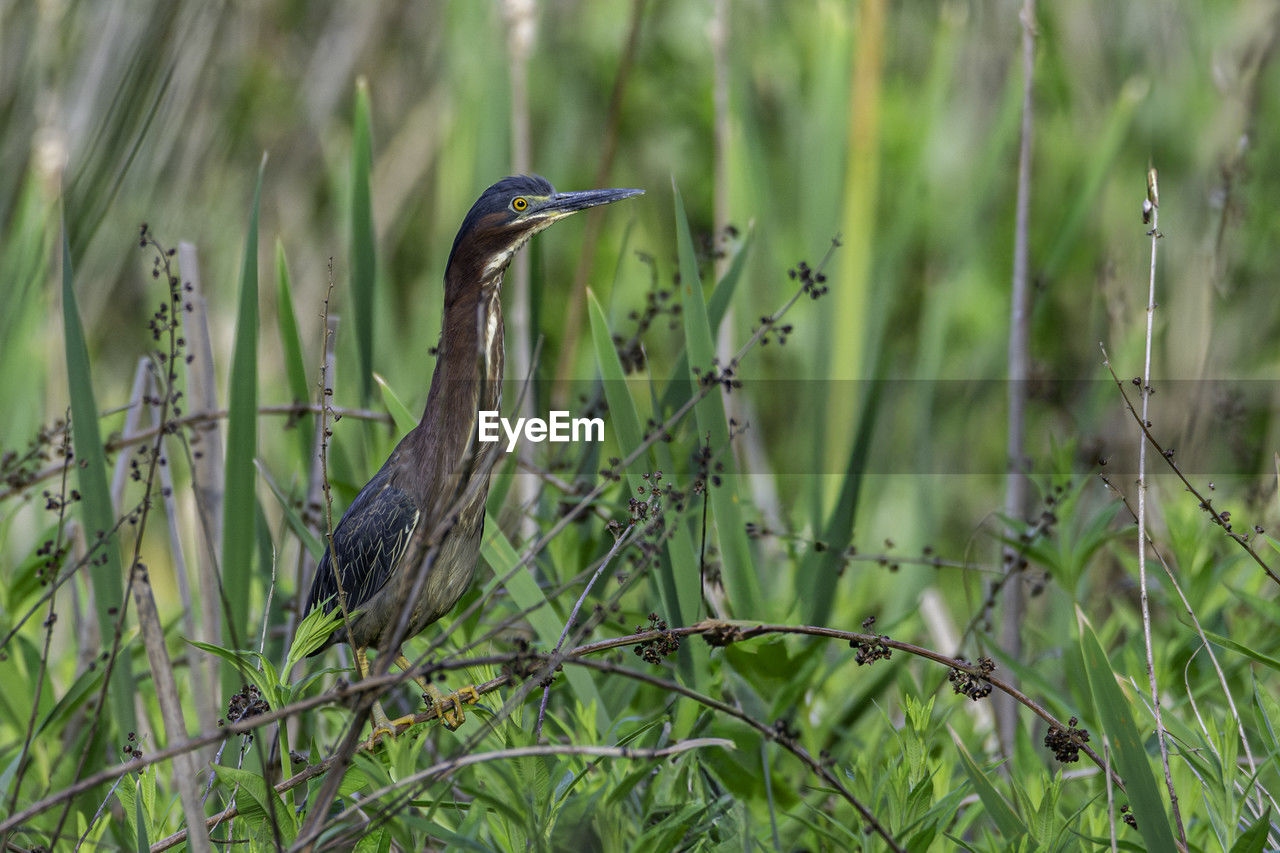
x,y
405,550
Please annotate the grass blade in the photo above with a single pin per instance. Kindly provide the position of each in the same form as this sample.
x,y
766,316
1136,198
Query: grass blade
x,y
998,808
1130,754
96,511
820,571
362,256
742,584
681,386
294,362
679,591
240,504
287,508
524,591
399,412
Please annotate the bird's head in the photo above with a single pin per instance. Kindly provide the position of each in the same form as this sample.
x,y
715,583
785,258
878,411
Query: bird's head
x,y
507,214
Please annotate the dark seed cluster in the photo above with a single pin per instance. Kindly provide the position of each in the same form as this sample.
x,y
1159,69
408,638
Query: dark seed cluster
x,y
708,467
967,684
784,731
725,376
873,650
130,748
647,511
658,303
715,246
722,634
813,283
662,646
525,664
1065,743
245,704
19,470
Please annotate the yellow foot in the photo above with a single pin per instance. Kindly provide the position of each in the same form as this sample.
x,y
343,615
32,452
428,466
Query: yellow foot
x,y
449,708
385,727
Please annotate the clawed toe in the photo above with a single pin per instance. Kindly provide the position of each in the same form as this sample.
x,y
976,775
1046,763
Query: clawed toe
x,y
449,708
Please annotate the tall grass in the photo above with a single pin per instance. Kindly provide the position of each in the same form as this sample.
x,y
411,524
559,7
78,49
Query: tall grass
x,y
856,549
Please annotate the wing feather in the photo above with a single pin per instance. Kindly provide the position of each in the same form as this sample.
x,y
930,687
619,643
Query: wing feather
x,y
369,542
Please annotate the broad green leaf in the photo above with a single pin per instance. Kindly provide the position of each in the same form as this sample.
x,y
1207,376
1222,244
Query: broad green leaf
x,y
311,634
820,569
247,664
679,591
681,385
1227,643
127,793
309,540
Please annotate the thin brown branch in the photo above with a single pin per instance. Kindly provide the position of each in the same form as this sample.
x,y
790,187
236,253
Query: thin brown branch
x,y
720,631
119,442
573,616
1205,503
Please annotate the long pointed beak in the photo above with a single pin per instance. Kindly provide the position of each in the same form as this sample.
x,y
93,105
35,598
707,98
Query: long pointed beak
x,y
562,204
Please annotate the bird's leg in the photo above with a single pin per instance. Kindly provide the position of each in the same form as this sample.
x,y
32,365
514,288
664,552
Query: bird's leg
x,y
382,724
448,707
407,665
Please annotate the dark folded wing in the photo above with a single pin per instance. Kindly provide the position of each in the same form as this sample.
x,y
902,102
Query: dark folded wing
x,y
369,542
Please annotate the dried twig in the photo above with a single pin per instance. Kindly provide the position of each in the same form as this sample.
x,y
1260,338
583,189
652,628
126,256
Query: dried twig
x,y
1152,207
1015,484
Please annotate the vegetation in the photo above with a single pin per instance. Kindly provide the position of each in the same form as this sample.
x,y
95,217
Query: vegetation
x,y
843,631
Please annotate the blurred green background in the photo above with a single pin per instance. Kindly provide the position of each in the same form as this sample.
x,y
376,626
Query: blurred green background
x,y
897,131
894,126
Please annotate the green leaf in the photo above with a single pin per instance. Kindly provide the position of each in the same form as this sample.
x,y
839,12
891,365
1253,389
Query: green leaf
x,y
312,633
529,598
679,590
239,502
294,362
998,808
742,585
263,801
309,540
681,385
820,570
96,510
132,808
247,664
80,690
363,273
400,413
1254,839
1131,759
1227,643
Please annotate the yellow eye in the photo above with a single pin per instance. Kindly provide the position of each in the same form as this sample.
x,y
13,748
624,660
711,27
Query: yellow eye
x,y
519,203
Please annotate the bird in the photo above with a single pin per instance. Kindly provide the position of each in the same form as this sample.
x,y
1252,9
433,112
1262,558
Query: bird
x,y
406,548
